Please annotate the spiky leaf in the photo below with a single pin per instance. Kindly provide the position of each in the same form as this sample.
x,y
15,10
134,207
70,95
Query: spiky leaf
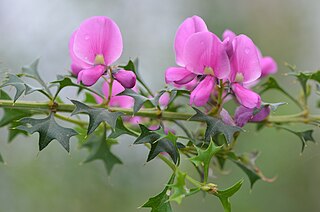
x,y
224,195
48,130
96,115
160,142
204,157
160,203
121,129
247,162
215,126
100,149
139,100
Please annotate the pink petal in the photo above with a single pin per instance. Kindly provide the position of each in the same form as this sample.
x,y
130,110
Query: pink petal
x,y
246,97
244,60
268,66
98,35
75,68
190,26
261,115
91,75
179,75
228,37
200,95
117,101
228,34
126,78
204,49
226,118
77,64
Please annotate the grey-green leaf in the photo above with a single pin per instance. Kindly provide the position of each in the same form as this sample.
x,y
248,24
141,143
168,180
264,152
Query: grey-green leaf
x,y
48,130
139,100
100,149
96,115
215,126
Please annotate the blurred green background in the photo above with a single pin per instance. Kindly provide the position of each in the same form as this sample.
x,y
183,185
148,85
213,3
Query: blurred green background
x,y
54,181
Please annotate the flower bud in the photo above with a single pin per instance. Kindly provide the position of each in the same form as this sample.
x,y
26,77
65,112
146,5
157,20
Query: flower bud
x,y
126,78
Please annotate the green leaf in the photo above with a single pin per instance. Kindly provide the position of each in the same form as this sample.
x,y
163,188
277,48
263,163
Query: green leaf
x,y
204,157
273,106
100,148
273,84
17,83
11,115
89,98
179,188
305,136
247,162
215,126
31,71
167,144
224,195
121,129
160,203
160,142
139,100
13,132
96,115
48,130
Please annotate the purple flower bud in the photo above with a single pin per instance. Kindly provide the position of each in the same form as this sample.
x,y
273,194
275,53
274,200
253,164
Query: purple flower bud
x,y
126,78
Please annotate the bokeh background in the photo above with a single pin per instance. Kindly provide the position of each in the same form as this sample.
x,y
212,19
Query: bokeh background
x,y
54,181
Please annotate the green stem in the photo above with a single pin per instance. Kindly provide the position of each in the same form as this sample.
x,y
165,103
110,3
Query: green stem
x,y
145,112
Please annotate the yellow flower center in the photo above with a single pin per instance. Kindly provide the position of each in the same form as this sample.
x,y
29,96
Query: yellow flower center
x,y
99,60
239,77
208,71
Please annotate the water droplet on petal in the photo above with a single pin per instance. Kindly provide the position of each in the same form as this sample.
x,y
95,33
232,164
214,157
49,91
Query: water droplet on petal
x,y
247,50
86,37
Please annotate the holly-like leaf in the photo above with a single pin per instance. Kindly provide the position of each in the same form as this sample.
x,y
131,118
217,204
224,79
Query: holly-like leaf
x,y
100,148
273,84
160,203
204,157
224,195
121,129
48,130
14,132
139,100
215,126
96,115
17,83
160,142
31,71
11,115
179,188
247,162
167,144
305,136
273,106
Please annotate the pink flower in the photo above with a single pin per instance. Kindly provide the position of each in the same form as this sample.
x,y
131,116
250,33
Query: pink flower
x,y
93,47
245,69
243,115
200,54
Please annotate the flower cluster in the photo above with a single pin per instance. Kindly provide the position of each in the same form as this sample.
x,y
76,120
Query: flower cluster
x,y
93,47
212,69
207,63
